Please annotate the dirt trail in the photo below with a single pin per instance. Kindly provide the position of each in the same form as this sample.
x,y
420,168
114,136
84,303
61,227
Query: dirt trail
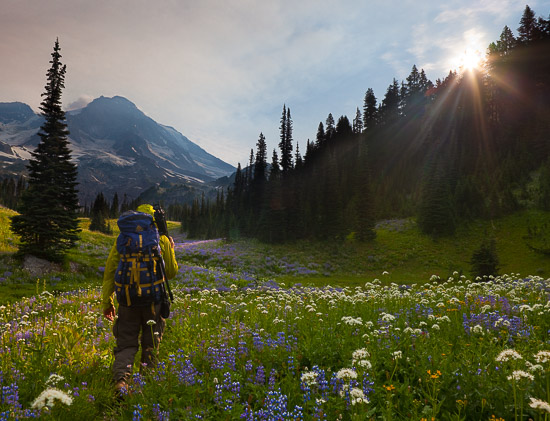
x,y
182,244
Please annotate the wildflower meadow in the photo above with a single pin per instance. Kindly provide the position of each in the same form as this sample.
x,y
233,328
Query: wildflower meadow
x,y
242,345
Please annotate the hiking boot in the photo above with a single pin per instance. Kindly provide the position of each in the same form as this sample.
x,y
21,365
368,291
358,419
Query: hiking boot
x,y
121,389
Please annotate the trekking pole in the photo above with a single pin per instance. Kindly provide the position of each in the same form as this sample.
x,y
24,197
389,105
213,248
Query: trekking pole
x,y
163,271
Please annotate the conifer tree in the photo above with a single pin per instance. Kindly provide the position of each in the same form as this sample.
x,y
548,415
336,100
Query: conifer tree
x,y
529,29
370,110
298,157
485,261
114,206
391,102
249,169
275,169
436,215
260,168
330,129
321,137
507,42
357,122
99,214
48,223
260,164
286,141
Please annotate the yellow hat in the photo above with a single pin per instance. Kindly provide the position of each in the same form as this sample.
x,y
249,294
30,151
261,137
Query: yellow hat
x,y
146,208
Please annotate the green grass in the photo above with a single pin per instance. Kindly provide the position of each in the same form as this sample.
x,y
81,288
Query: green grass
x,y
399,249
423,361
409,256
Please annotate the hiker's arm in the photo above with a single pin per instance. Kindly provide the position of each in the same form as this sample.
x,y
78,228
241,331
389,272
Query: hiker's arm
x,y
169,257
108,287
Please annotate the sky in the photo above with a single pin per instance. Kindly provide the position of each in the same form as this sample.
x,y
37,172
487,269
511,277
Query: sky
x,y
220,71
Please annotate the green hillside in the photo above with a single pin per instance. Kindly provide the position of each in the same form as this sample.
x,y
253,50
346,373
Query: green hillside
x,y
400,249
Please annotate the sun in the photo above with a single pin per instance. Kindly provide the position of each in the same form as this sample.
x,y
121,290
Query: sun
x,y
469,59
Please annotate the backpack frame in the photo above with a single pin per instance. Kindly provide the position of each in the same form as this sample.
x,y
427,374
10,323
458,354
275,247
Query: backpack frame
x,y
139,278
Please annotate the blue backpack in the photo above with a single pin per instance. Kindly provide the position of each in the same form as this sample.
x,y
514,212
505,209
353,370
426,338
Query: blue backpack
x,y
139,276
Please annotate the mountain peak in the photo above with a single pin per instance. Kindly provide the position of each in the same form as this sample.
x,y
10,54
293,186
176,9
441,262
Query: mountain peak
x,y
115,103
15,112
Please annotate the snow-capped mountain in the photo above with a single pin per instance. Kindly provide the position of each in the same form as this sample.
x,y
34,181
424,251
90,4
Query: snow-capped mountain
x,y
116,146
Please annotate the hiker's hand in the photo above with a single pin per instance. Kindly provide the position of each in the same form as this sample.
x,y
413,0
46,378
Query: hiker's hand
x,y
109,313
172,244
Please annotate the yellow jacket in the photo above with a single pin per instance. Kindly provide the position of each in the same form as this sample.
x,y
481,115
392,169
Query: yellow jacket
x,y
108,288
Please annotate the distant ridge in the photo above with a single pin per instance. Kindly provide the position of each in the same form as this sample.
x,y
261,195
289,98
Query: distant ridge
x,y
117,147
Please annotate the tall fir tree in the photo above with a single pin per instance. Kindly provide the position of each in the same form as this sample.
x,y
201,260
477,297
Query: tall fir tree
x,y
260,165
298,157
275,168
48,223
285,145
115,207
370,110
357,122
436,213
528,30
391,103
330,129
99,215
260,168
320,137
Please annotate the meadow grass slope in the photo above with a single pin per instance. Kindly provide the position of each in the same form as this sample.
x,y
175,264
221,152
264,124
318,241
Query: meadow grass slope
x,y
400,252
292,332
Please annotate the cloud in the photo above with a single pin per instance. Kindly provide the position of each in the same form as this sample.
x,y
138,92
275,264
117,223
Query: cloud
x,y
80,102
219,72
498,8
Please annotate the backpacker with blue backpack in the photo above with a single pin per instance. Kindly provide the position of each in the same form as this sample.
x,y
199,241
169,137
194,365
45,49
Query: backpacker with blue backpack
x,y
139,278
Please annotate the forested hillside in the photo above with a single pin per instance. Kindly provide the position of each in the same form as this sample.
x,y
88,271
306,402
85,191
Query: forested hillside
x,y
473,145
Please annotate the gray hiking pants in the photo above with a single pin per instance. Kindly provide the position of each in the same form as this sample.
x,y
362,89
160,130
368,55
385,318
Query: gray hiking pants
x,y
130,323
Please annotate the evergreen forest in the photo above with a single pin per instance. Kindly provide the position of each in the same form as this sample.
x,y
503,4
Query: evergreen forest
x,y
473,145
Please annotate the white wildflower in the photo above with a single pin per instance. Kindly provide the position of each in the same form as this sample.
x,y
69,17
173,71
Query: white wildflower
x,y
397,355
346,374
478,329
435,326
357,396
54,379
539,404
48,398
366,364
151,322
517,375
351,321
309,377
508,355
533,368
542,357
360,354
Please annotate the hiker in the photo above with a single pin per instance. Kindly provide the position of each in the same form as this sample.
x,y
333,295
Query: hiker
x,y
139,300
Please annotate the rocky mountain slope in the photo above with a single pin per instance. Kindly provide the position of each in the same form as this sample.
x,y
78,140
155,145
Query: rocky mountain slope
x,y
116,146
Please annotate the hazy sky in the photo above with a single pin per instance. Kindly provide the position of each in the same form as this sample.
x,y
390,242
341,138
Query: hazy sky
x,y
219,71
